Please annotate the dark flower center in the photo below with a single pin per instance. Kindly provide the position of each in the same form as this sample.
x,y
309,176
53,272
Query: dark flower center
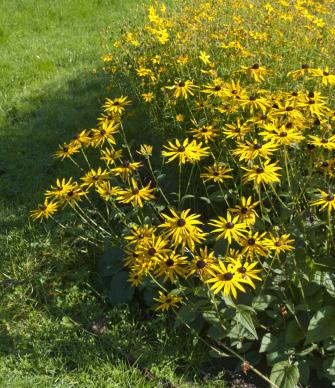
x,y
228,276
65,149
102,132
168,300
311,94
116,103
181,149
242,270
305,66
70,193
289,108
181,84
141,235
152,252
310,147
169,262
252,98
75,137
96,177
43,207
289,125
330,197
251,241
325,73
244,210
311,101
324,141
181,222
260,170
135,190
204,129
217,88
257,146
275,106
216,173
126,163
325,164
317,121
278,244
255,66
237,130
264,117
283,134
59,188
229,225
201,264
294,94
234,91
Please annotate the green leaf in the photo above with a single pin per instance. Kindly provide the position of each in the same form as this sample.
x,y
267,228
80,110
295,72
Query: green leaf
x,y
304,371
321,326
120,290
244,318
111,262
216,332
205,199
285,375
187,314
293,333
211,317
261,302
269,343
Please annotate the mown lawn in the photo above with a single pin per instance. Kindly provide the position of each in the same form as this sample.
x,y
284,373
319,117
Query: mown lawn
x,y
56,328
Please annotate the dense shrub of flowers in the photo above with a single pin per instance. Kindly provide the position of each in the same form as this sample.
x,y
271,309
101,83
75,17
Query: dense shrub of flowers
x,y
214,172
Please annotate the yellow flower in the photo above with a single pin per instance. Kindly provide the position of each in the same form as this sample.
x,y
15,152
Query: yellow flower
x,y
110,155
167,301
327,78
147,97
237,130
205,58
266,173
279,244
225,278
126,169
104,133
66,150
183,228
135,195
326,200
73,196
201,263
94,177
116,106
305,69
106,190
255,71
324,142
246,271
145,150
140,234
179,118
284,135
44,210
170,266
251,150
60,189
183,89
215,89
206,132
216,173
246,211
254,244
228,228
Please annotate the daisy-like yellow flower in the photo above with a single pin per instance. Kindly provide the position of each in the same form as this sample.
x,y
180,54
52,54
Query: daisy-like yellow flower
x,y
282,136
145,150
66,151
253,103
179,118
170,266
105,133
280,244
237,130
228,228
135,278
183,89
183,228
250,150
148,97
110,155
254,244
233,90
314,103
205,58
246,271
326,200
327,78
215,89
289,110
116,106
94,177
218,172
140,234
206,133
106,190
266,173
60,189
126,169
226,278
246,211
201,263
44,210
153,249
73,196
255,71
135,195
305,69
186,152
167,301
323,142
81,139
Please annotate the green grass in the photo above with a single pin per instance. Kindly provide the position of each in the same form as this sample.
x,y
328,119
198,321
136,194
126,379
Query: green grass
x,y
48,295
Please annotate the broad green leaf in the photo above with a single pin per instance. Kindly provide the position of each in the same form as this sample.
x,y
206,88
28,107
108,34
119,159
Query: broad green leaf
x,y
216,332
187,314
304,371
211,317
111,262
269,343
293,333
321,326
120,290
244,318
285,375
261,302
